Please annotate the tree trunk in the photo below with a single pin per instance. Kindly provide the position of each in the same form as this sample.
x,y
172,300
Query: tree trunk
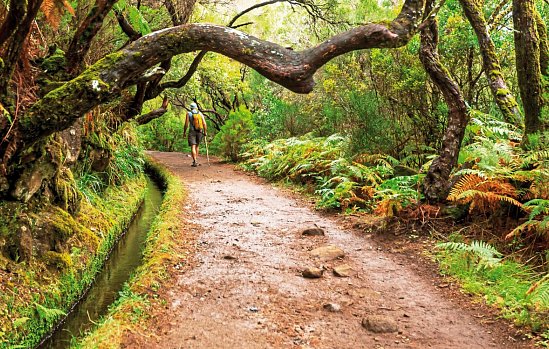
x,y
527,51
492,69
436,183
15,40
543,45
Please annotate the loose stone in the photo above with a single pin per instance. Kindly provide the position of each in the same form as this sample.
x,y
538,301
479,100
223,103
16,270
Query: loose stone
x,y
379,324
313,232
312,273
343,270
328,253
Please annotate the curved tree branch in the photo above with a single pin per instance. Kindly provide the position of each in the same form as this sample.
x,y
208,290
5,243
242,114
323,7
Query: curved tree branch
x,y
145,118
154,89
192,69
292,69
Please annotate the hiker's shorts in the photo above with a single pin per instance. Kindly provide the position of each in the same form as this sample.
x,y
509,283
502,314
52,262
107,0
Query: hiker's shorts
x,y
195,137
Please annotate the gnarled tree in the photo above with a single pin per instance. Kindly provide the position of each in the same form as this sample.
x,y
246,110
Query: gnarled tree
x,y
436,183
105,80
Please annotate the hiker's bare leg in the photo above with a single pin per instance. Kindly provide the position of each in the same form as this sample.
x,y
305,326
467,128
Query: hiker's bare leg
x,y
194,151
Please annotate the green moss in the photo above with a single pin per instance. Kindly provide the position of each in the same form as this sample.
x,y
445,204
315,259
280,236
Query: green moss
x,y
54,63
57,278
502,92
67,193
62,261
62,223
496,72
85,91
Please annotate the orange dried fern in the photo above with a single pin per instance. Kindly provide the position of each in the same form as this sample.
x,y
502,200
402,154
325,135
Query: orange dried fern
x,y
483,194
53,11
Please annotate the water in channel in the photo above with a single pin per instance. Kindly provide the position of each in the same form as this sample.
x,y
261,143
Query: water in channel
x,y
125,257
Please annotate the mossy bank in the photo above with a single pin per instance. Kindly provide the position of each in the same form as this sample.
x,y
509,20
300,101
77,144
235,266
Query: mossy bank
x,y
35,291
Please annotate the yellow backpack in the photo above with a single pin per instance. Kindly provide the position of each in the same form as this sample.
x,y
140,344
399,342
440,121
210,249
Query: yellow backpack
x,y
196,120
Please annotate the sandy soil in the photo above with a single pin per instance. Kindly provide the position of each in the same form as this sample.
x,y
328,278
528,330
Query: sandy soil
x,y
244,287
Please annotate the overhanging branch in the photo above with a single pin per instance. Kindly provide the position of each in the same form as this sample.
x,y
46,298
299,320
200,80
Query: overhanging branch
x,y
292,69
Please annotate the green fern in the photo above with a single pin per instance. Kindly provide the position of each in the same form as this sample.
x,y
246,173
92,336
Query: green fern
x,y
486,255
540,293
49,315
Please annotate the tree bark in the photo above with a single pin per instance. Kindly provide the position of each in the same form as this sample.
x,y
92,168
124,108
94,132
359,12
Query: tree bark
x,y
527,51
88,29
15,15
436,183
12,51
492,69
543,44
145,118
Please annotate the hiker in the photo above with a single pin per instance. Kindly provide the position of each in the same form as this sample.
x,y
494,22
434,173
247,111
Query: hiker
x,y
197,130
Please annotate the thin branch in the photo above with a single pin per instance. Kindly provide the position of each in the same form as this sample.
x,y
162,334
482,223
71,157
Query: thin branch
x,y
81,41
496,14
146,118
185,79
126,26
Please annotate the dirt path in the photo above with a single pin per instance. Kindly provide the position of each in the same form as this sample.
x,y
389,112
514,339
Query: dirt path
x,y
245,288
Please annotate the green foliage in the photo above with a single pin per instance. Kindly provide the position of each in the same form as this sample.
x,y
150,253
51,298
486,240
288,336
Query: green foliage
x,y
165,133
48,315
339,182
520,293
90,185
135,17
538,219
485,254
236,132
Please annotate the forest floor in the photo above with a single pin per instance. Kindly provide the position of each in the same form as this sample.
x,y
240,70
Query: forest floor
x,y
242,285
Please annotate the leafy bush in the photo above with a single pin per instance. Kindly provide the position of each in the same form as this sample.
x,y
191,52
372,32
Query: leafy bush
x,y
236,132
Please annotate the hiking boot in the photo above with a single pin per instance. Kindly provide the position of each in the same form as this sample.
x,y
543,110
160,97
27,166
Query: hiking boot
x,y
194,164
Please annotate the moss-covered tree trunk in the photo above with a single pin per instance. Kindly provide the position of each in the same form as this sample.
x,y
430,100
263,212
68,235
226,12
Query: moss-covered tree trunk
x,y
436,183
528,58
490,62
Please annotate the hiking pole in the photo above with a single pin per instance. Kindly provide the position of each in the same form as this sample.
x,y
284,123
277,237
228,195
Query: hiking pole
x,y
207,152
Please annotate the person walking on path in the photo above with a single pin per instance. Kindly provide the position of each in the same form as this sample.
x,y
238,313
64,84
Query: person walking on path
x,y
196,123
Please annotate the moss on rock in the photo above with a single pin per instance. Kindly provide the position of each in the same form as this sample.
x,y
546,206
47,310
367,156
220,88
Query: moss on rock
x,y
62,261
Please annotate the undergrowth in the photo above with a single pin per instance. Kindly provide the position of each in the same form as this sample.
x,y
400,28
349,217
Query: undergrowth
x,y
363,182
521,294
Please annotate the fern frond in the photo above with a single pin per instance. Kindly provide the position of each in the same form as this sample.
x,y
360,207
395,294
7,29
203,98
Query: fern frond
x,y
53,11
483,194
523,228
48,314
486,253
466,183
